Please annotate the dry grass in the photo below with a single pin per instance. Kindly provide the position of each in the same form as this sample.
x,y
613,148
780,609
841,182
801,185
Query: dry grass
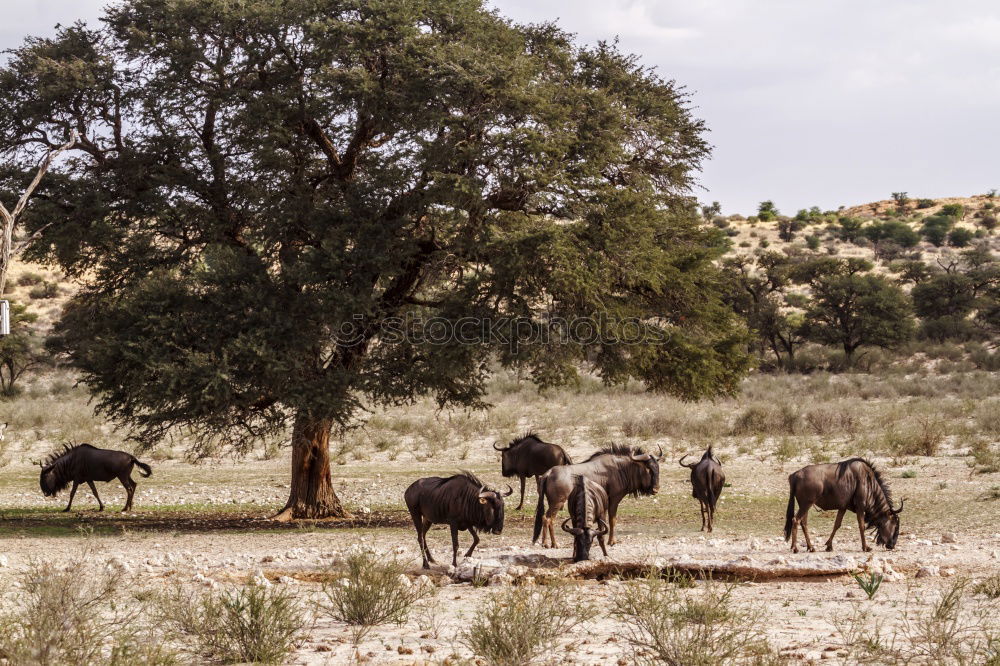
x,y
703,627
517,625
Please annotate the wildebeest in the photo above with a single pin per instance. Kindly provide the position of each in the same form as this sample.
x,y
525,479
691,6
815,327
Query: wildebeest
x,y
84,463
852,485
530,456
620,470
588,511
707,479
463,502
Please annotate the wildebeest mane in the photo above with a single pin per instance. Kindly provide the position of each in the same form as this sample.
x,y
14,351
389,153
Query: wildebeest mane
x,y
518,441
879,506
57,463
580,518
617,450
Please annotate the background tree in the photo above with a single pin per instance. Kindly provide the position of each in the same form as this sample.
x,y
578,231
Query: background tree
x,y
20,351
291,212
767,211
853,308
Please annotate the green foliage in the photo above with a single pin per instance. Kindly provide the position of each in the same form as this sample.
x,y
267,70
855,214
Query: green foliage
x,y
955,210
278,206
960,237
944,302
849,229
44,290
787,229
367,590
21,351
813,241
935,229
869,583
30,279
255,624
852,308
899,232
516,625
925,203
767,211
705,627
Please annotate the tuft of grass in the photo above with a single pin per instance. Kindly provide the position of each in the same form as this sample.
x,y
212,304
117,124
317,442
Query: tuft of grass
x,y
869,583
254,623
69,615
909,474
704,627
989,587
519,624
366,590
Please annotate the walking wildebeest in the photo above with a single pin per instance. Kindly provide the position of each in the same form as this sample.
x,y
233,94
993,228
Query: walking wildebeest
x,y
852,485
84,463
620,470
463,502
588,508
530,456
707,479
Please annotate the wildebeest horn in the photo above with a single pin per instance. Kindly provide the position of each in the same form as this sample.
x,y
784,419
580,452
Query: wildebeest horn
x,y
660,457
498,449
571,530
604,527
900,509
510,491
681,461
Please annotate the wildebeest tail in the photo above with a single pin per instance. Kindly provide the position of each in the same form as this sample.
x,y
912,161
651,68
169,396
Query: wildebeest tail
x,y
144,469
790,511
539,510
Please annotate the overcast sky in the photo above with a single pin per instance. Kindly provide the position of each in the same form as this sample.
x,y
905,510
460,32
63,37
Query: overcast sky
x,y
809,103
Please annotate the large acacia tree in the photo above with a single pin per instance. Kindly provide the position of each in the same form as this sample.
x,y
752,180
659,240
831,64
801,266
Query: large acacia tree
x,y
275,208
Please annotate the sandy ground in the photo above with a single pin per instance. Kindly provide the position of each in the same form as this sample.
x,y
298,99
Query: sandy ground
x,y
200,525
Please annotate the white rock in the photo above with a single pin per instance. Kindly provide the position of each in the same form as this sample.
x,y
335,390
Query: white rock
x,y
948,537
949,571
928,571
4,562
924,542
404,580
501,579
286,580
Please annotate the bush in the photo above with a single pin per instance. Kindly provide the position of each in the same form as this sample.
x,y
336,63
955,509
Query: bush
x,y
813,241
935,229
367,590
989,587
254,624
518,624
68,615
666,625
925,203
30,279
960,237
44,290
767,420
953,210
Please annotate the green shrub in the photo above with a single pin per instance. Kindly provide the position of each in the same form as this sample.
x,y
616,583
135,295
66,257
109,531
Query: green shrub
x,y
704,627
30,279
44,290
925,203
953,210
960,237
935,229
367,590
518,624
255,624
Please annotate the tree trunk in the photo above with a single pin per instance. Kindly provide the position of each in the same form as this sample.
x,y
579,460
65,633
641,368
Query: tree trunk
x,y
312,494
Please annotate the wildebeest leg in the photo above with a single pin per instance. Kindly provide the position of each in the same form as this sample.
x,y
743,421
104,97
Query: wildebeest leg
x,y
550,517
93,489
475,541
701,505
805,531
418,524
612,519
521,503
72,492
129,489
836,526
861,528
426,524
454,545
711,516
803,510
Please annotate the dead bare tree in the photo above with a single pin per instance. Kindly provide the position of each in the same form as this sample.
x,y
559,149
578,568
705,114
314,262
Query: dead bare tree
x,y
8,218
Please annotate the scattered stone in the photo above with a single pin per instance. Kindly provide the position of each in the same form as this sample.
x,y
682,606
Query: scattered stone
x,y
928,571
948,571
948,537
501,579
402,649
287,580
323,647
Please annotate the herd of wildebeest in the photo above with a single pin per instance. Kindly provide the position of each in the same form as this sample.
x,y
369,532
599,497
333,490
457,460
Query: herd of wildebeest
x,y
592,490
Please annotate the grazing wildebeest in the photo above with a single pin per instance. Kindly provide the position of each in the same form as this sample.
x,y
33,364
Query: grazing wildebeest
x,y
852,485
530,456
84,463
588,509
620,470
463,502
707,479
